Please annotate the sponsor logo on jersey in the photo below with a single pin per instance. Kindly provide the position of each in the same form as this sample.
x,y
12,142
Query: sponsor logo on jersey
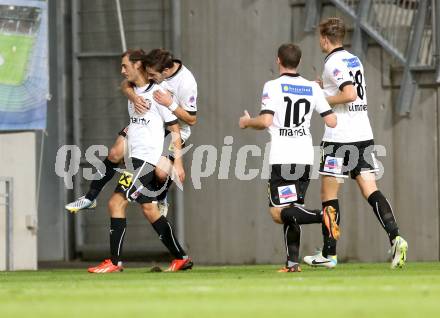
x,y
289,132
287,194
140,121
125,179
297,89
192,99
352,62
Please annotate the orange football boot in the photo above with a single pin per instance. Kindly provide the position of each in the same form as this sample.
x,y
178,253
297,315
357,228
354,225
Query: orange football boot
x,y
329,219
180,265
105,267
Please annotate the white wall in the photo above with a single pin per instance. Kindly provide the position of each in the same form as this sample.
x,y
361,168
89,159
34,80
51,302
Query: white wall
x,y
230,46
17,161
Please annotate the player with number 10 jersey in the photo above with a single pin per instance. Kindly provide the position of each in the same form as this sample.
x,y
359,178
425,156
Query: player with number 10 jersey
x,y
286,108
292,99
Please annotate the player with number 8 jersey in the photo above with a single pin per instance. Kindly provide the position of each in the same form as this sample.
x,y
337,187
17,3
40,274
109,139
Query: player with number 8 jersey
x,y
348,149
342,68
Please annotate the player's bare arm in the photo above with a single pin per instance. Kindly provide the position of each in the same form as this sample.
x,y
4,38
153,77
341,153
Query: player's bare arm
x,y
346,95
177,143
260,122
330,120
139,103
164,98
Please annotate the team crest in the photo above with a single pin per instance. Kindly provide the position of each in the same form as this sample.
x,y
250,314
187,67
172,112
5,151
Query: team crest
x,y
333,165
136,194
337,74
287,194
148,102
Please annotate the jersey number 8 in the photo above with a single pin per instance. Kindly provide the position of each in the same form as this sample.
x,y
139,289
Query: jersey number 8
x,y
358,81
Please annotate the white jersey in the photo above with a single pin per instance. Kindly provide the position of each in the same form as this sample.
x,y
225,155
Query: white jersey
x,y
183,86
343,68
291,100
146,131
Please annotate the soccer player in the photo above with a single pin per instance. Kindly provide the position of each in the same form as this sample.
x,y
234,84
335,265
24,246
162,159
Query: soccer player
x,y
111,162
163,68
145,136
348,148
181,100
286,109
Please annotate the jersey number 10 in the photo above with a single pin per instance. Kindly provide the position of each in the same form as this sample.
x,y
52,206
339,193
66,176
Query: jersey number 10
x,y
301,106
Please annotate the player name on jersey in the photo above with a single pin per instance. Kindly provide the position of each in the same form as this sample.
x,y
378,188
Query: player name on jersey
x,y
357,108
292,132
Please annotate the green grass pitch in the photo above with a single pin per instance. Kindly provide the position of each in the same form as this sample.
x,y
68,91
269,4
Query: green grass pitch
x,y
350,290
14,61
